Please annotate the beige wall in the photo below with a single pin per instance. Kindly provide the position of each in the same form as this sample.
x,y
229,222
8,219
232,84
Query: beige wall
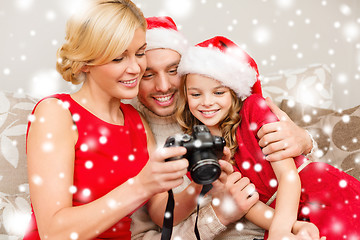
x,y
279,34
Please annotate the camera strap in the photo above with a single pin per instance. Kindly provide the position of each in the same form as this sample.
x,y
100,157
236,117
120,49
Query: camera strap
x,y
169,213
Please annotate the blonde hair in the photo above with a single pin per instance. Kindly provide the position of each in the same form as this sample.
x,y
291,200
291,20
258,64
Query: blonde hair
x,y
97,36
228,126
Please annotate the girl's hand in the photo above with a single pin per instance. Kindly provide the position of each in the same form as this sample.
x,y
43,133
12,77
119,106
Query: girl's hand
x,y
307,229
290,236
219,184
227,154
237,197
287,236
226,169
159,176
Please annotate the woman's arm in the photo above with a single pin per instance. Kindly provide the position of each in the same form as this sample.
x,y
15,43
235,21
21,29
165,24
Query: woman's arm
x,y
50,149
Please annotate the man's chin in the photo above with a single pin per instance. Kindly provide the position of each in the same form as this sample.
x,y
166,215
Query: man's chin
x,y
163,112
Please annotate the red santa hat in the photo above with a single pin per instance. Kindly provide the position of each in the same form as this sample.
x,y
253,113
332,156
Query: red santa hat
x,y
162,32
221,59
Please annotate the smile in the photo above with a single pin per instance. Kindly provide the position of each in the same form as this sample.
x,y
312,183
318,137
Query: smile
x,y
129,83
208,113
164,100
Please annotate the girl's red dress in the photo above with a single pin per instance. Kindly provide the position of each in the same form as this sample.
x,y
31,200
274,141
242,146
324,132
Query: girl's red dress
x,y
106,155
329,198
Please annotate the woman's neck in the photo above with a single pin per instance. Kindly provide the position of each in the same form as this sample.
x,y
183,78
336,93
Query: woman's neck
x,y
103,106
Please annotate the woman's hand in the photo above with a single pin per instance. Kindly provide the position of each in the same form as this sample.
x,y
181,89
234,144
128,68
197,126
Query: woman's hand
x,y
159,175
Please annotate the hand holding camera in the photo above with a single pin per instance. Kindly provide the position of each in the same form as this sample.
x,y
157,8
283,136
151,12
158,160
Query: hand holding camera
x,y
203,152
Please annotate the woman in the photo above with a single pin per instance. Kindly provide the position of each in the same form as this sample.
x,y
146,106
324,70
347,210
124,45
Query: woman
x,y
88,160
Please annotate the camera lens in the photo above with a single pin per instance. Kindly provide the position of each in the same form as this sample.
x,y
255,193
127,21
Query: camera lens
x,y
205,171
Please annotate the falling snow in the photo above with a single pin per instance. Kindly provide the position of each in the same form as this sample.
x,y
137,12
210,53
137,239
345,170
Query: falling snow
x,y
28,62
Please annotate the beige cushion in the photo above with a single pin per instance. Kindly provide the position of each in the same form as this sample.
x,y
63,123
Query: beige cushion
x,y
337,133
14,188
311,85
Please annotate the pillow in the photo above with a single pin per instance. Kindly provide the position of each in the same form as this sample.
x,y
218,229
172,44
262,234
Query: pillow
x,y
337,133
311,85
15,215
14,188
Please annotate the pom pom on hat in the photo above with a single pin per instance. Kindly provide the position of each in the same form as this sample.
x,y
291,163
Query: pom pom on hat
x,y
221,59
162,32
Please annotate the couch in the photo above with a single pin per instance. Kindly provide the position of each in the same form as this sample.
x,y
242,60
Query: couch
x,y
304,93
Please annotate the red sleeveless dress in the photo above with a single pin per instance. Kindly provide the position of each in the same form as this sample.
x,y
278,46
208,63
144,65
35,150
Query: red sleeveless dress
x,y
330,198
106,155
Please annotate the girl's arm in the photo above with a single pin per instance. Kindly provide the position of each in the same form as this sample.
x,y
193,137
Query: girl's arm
x,y
287,201
287,198
50,151
262,215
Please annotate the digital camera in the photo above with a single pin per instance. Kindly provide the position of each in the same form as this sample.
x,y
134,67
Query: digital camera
x,y
203,152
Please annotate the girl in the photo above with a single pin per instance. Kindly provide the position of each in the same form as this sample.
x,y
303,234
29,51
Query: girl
x,y
87,152
216,91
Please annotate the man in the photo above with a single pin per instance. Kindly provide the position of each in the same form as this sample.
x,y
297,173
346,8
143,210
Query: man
x,y
158,93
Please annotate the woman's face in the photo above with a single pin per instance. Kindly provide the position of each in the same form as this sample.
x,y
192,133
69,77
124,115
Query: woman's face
x,y
120,78
209,101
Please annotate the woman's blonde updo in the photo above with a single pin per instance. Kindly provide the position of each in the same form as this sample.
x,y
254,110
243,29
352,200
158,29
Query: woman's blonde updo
x,y
97,36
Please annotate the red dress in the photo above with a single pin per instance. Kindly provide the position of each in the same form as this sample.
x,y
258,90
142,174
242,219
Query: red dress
x,y
106,155
329,198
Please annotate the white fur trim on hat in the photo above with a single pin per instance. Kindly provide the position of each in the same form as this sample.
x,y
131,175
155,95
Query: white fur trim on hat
x,y
166,38
230,70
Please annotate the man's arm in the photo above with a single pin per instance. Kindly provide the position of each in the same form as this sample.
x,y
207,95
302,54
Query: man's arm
x,y
284,139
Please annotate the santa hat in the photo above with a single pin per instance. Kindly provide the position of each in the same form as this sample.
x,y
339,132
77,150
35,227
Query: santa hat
x,y
221,59
162,32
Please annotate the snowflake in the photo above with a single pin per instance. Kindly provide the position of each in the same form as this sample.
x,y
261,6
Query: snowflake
x,y
89,164
74,236
343,183
131,157
239,227
167,215
86,192
103,139
84,147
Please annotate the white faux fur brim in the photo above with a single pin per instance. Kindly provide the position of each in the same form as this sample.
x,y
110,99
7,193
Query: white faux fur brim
x,y
230,69
166,38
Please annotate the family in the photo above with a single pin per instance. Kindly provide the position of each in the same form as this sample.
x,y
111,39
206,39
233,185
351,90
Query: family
x,y
96,157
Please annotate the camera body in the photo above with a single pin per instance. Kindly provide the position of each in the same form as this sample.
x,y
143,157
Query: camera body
x,y
203,152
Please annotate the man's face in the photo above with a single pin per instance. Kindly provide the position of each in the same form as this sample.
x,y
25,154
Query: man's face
x,y
158,89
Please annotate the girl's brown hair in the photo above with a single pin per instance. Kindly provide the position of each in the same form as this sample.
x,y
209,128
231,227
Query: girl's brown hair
x,y
228,125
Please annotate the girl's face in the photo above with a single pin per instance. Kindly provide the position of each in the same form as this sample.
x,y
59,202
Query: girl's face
x,y
120,78
209,101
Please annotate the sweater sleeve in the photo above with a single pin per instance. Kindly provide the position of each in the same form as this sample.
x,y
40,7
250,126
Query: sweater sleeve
x,y
208,224
142,227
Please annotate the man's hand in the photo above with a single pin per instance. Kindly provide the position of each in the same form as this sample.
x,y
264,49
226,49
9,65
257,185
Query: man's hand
x,y
283,139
